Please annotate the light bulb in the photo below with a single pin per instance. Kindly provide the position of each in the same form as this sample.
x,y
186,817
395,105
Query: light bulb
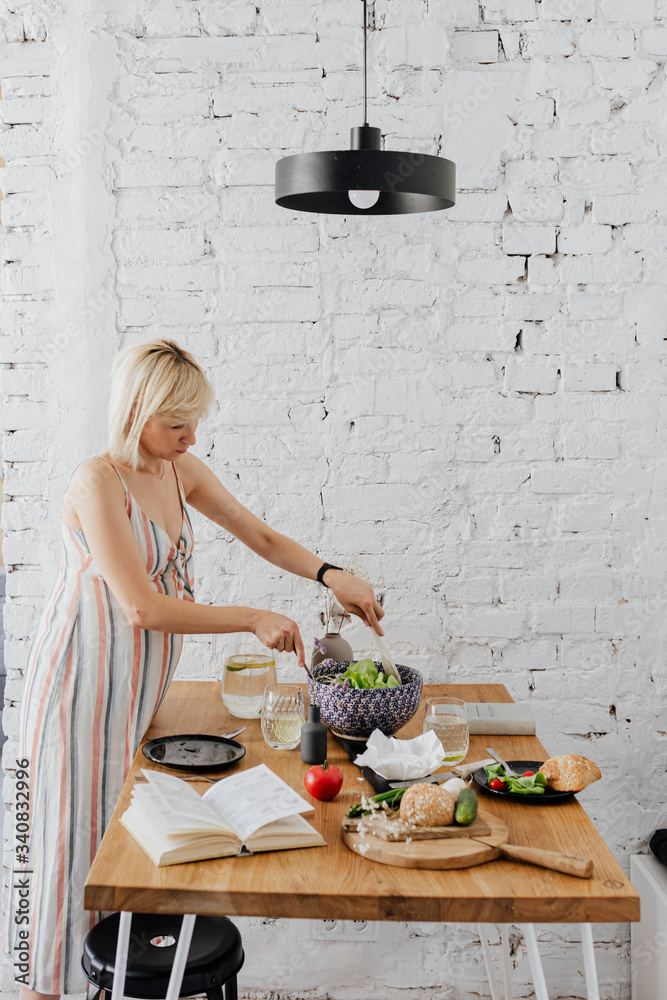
x,y
363,199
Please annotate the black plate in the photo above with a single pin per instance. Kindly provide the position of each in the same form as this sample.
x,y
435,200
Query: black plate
x,y
550,798
193,752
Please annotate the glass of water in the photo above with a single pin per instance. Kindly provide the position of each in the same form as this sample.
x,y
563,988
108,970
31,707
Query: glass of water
x,y
448,718
283,714
244,677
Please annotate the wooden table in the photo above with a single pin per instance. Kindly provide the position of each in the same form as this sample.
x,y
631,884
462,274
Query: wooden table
x,y
334,883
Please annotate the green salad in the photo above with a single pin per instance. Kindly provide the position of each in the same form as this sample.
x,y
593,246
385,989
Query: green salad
x,y
530,784
364,674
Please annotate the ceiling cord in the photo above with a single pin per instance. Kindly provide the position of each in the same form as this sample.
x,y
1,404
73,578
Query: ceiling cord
x,y
365,66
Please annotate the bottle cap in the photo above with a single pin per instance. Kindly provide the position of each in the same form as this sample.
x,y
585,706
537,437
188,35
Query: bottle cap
x,y
313,713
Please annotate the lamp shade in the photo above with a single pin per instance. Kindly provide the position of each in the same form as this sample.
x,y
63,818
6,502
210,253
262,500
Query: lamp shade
x,y
406,182
365,179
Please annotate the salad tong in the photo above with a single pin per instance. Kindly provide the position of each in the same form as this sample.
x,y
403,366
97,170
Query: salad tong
x,y
388,664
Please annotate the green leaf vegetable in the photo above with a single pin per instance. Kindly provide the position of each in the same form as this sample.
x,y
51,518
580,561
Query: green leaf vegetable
x,y
533,784
364,674
391,800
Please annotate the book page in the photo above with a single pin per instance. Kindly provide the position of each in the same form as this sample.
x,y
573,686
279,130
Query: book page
x,y
179,807
292,831
284,828
165,850
250,799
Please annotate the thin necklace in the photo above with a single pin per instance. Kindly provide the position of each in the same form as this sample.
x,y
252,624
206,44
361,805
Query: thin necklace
x,y
154,474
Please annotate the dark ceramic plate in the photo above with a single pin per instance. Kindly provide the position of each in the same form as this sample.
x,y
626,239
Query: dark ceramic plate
x,y
193,752
550,798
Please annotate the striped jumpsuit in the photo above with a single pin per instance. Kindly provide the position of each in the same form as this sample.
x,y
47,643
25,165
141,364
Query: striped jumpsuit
x,y
92,686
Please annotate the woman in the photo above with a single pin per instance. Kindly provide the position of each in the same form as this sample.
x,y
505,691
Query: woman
x,y
109,640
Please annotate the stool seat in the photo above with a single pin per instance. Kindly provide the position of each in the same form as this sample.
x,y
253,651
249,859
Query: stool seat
x,y
214,959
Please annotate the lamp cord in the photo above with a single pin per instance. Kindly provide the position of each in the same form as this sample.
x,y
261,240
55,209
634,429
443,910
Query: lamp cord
x,y
365,66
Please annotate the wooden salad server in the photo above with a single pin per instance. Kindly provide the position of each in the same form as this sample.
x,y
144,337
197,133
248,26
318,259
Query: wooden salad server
x,y
388,664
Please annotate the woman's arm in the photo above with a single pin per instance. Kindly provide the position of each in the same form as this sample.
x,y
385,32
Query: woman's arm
x,y
205,492
99,503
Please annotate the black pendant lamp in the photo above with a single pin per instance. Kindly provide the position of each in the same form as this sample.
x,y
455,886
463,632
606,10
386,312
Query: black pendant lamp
x,y
365,179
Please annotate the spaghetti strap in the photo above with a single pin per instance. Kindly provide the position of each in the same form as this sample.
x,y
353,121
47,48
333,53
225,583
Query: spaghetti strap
x,y
115,470
178,478
181,490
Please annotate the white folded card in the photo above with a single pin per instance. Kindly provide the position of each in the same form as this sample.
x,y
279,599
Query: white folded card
x,y
397,759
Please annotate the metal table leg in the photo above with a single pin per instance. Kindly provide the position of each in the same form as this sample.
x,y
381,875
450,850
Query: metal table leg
x,y
122,946
180,958
505,957
486,952
590,968
535,962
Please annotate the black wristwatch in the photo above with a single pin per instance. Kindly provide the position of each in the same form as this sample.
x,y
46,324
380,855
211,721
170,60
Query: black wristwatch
x,y
322,570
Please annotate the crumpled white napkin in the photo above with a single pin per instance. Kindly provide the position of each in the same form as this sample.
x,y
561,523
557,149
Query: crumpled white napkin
x,y
396,759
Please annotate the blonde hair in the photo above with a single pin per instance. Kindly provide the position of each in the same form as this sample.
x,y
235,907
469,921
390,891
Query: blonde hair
x,y
156,378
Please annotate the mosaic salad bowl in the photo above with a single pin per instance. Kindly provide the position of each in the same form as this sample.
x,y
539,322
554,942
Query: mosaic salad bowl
x,y
354,712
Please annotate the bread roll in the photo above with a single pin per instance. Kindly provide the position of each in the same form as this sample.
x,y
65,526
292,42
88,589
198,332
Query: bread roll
x,y
570,772
428,805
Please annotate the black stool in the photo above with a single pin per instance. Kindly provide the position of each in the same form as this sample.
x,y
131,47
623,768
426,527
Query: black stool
x,y
215,956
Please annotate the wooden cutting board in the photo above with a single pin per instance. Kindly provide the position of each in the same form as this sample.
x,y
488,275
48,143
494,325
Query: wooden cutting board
x,y
454,851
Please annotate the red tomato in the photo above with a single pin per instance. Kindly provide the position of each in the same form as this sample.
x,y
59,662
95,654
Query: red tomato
x,y
528,774
324,781
497,784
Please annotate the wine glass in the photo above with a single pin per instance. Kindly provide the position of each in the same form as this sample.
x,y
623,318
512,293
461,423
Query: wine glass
x,y
283,714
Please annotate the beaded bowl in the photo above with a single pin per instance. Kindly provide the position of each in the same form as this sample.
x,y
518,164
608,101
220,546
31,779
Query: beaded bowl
x,y
355,712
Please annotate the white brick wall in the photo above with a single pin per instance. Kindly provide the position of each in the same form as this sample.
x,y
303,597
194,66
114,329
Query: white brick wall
x,y
469,404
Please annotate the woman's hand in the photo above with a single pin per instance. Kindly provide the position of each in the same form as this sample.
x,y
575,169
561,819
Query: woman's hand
x,y
355,596
280,633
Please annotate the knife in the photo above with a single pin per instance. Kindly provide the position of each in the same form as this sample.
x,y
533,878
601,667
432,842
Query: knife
x,y
429,779
461,771
465,770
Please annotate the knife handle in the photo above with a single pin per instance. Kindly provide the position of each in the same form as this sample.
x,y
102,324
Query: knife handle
x,y
465,770
566,863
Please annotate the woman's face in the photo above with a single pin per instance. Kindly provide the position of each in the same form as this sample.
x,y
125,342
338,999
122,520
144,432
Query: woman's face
x,y
168,441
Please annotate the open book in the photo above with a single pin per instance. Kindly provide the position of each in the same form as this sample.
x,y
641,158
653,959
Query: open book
x,y
253,809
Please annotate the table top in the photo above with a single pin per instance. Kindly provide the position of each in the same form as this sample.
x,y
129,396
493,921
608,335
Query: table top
x,y
334,883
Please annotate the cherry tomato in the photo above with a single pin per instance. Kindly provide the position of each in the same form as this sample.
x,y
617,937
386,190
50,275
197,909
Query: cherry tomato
x,y
497,784
528,774
324,781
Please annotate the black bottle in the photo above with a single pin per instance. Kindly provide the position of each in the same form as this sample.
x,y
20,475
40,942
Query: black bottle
x,y
313,738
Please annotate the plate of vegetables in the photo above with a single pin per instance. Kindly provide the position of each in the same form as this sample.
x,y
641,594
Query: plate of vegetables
x,y
530,786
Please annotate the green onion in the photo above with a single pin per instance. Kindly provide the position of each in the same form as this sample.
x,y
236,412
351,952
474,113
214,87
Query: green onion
x,y
391,798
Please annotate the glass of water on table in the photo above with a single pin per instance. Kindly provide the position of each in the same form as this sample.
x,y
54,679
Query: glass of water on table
x,y
448,718
244,677
283,714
